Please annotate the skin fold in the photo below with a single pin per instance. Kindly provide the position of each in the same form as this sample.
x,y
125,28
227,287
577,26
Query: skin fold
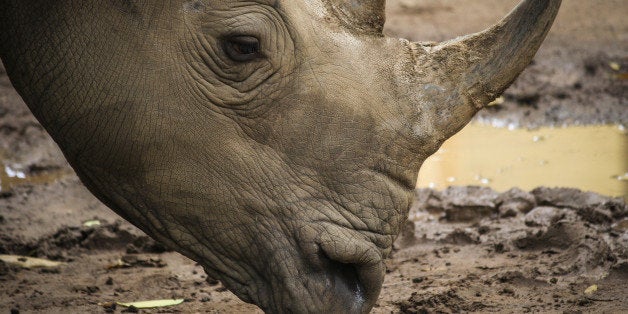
x,y
276,143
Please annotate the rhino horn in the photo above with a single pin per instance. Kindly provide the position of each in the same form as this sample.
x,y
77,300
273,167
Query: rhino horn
x,y
470,71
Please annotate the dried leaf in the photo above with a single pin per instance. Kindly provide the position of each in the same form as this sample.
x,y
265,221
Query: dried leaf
x,y
28,262
591,289
119,264
91,223
614,65
151,303
498,101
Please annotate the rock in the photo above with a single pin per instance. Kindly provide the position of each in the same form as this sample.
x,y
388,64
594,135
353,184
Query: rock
x,y
591,207
543,216
568,197
514,201
469,203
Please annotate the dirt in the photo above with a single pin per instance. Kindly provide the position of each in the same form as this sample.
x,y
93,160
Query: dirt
x,y
465,249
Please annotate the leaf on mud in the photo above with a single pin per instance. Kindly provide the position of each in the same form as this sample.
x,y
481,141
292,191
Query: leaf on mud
x,y
152,303
119,264
91,223
28,262
591,289
614,65
498,101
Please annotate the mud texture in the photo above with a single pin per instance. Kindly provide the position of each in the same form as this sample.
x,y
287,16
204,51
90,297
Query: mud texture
x,y
465,249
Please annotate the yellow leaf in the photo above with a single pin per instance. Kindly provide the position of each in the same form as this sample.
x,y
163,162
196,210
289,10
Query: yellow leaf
x,y
152,303
591,289
91,223
614,65
28,262
497,101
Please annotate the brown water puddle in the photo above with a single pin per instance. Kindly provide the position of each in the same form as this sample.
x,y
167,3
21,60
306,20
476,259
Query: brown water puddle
x,y
590,158
13,175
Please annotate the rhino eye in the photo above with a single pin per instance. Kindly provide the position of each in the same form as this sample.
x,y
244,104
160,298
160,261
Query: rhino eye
x,y
242,48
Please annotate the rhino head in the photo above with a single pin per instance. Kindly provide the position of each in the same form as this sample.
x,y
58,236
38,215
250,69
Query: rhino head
x,y
275,142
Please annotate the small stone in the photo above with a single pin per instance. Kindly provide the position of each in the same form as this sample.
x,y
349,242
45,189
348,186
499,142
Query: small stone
x,y
109,281
469,203
515,201
542,216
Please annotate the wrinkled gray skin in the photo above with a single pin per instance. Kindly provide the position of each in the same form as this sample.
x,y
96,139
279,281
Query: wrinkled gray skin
x,y
286,171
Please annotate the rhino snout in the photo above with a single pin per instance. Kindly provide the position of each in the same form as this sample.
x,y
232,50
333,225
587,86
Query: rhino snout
x,y
345,270
354,282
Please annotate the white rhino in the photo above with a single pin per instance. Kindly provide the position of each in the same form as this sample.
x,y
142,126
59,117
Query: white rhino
x,y
275,142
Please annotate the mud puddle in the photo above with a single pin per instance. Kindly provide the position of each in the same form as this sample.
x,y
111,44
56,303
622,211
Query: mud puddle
x,y
590,158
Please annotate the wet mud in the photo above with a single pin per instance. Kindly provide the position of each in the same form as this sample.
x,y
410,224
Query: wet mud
x,y
463,249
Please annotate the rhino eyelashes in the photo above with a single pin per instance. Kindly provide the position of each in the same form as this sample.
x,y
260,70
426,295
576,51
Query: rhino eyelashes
x,y
242,48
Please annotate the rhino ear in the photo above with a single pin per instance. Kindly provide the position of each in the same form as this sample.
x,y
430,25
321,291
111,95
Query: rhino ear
x,y
486,63
363,16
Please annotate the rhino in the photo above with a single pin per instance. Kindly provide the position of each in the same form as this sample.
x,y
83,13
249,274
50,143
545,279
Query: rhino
x,y
275,142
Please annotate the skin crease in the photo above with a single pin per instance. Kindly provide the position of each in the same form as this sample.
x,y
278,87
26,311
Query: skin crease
x,y
287,175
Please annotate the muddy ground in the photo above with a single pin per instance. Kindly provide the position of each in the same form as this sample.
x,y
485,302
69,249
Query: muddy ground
x,y
465,249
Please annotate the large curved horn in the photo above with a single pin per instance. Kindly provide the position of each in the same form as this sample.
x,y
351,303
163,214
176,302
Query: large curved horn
x,y
487,62
456,78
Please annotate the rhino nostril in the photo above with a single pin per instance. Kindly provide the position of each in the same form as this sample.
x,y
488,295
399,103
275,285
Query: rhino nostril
x,y
354,274
343,281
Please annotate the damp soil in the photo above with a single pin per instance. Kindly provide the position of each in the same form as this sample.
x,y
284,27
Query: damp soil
x,y
463,249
